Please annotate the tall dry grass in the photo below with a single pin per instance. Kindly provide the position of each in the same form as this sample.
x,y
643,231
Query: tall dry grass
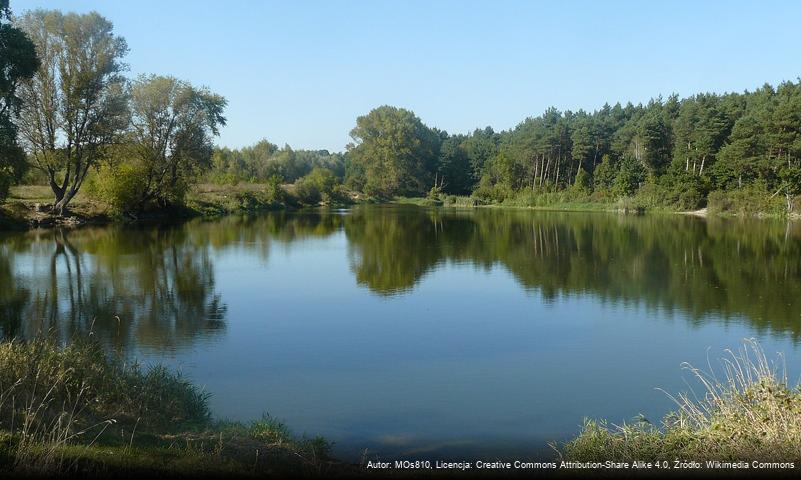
x,y
745,410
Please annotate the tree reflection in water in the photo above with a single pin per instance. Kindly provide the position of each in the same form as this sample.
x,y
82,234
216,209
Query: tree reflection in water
x,y
155,286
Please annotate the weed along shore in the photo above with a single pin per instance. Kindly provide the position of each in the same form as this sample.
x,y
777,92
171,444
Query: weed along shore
x,y
28,207
77,409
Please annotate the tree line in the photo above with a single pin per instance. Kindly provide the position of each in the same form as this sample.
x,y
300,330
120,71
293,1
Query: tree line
x,y
673,152
69,117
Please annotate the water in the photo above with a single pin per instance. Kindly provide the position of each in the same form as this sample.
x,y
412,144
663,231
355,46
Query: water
x,y
411,331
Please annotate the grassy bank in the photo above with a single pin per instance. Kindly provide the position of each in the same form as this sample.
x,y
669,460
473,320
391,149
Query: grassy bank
x,y
27,206
751,202
746,411
77,410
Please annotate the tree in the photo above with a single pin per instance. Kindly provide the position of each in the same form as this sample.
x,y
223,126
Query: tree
x,y
18,62
172,124
604,175
396,150
75,105
481,147
629,177
654,138
454,171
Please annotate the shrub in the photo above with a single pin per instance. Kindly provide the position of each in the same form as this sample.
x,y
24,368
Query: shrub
x,y
120,187
460,201
435,193
273,191
603,176
629,178
752,199
315,187
689,199
583,184
226,178
492,193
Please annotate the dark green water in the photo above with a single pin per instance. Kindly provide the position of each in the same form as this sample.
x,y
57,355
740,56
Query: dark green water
x,y
415,331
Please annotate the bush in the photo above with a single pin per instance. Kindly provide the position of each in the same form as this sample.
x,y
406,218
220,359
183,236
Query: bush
x,y
120,187
629,205
319,185
603,176
273,191
435,193
460,201
492,193
752,199
690,199
226,178
583,184
629,178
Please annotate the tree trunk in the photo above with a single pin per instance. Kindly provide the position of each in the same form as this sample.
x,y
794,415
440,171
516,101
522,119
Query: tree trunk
x,y
60,206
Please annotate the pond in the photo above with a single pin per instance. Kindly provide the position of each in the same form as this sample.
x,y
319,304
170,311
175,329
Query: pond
x,y
413,331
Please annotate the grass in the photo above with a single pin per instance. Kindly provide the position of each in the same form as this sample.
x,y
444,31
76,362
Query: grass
x,y
535,202
23,208
211,200
77,409
746,410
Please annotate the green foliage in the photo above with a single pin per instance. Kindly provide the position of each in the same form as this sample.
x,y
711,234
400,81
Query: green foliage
x,y
170,139
18,62
583,183
396,152
752,199
676,150
259,162
455,172
6,176
78,92
604,175
319,185
119,187
661,154
273,190
630,176
679,195
435,193
487,192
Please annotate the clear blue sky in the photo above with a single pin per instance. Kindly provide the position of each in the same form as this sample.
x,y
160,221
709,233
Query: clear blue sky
x,y
300,72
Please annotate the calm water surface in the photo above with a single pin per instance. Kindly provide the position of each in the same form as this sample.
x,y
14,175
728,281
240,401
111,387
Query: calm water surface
x,y
413,331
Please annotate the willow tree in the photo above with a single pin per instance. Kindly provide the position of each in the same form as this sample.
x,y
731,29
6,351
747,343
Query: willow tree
x,y
18,62
172,124
75,105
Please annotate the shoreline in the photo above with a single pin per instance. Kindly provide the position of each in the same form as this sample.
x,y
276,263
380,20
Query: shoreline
x,y
23,214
